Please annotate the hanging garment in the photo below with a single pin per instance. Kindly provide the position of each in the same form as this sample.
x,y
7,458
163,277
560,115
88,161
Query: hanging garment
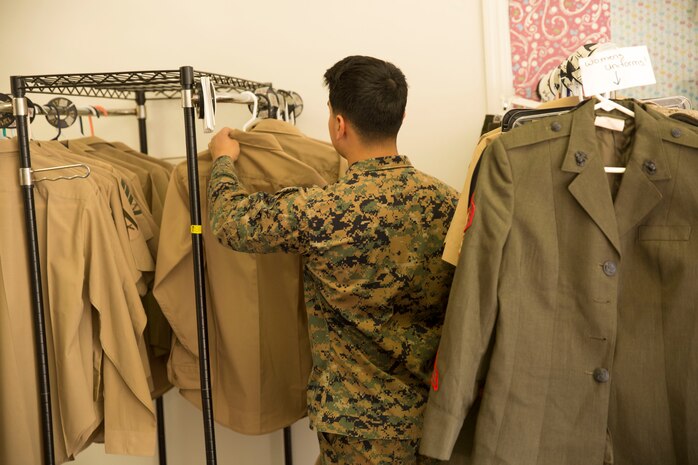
x,y
94,320
158,333
318,154
259,348
125,148
132,240
576,307
146,173
158,176
134,195
454,237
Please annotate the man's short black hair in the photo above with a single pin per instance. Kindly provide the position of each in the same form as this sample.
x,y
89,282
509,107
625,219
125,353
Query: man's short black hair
x,y
370,93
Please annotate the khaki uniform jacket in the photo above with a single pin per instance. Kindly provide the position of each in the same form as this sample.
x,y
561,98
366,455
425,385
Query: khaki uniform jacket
x,y
260,355
583,293
94,322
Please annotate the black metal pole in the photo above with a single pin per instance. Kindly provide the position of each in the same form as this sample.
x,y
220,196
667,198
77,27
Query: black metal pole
x,y
20,111
162,445
186,76
159,404
288,446
140,112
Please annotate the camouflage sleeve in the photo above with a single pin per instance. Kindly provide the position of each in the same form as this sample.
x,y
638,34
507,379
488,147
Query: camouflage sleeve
x,y
255,223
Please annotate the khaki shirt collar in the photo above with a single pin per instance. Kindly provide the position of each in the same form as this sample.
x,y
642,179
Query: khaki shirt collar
x,y
379,164
276,126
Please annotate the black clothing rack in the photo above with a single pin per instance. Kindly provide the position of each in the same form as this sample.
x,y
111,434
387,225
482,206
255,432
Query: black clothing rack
x,y
139,86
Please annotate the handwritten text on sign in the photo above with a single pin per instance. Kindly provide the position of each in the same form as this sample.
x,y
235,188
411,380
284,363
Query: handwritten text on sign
x,y
616,69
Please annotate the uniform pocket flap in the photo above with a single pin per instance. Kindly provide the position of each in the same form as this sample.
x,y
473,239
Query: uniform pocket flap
x,y
665,233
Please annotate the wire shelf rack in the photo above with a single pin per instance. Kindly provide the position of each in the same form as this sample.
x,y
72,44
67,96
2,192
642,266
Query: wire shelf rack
x,y
157,85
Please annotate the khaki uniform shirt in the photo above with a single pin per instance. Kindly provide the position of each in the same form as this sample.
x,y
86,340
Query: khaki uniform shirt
x,y
158,333
125,148
93,315
133,241
318,154
375,284
134,195
158,176
259,348
575,297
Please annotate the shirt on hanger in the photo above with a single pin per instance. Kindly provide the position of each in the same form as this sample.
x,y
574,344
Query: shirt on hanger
x,y
133,191
130,236
318,154
169,167
259,348
144,175
158,176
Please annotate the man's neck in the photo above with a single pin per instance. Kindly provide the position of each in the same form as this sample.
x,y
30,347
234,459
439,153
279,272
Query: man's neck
x,y
377,150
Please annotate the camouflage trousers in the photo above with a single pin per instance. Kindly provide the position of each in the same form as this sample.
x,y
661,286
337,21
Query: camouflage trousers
x,y
347,450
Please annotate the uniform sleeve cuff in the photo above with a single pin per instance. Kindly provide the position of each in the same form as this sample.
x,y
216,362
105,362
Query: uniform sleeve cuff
x,y
439,433
224,163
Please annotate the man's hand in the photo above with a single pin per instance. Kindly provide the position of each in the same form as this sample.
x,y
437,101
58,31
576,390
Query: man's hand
x,y
223,145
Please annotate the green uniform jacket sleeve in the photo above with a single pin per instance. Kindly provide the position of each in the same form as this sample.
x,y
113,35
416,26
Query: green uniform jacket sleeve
x,y
472,307
259,222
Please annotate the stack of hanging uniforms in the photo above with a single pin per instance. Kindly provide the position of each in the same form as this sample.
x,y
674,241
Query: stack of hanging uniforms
x,y
94,257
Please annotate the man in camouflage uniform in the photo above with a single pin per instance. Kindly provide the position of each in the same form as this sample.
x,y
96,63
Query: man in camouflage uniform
x,y
375,285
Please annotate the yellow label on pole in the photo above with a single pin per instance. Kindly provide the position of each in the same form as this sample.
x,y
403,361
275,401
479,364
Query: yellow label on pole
x,y
196,229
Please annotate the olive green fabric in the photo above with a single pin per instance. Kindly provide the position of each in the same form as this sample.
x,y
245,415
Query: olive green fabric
x,y
576,308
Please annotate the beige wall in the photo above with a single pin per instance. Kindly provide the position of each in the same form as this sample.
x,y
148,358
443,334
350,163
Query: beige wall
x,y
437,44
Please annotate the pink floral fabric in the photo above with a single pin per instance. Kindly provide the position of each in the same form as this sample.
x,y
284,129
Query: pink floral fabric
x,y
545,32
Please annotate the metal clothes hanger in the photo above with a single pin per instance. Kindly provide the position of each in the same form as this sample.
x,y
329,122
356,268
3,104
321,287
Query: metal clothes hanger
x,y
84,175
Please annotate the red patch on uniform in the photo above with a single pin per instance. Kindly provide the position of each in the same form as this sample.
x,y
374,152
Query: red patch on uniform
x,y
471,214
435,375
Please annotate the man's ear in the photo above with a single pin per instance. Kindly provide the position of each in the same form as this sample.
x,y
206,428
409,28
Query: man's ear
x,y
340,126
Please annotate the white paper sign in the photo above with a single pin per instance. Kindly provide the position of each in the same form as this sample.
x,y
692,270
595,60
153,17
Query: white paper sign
x,y
616,69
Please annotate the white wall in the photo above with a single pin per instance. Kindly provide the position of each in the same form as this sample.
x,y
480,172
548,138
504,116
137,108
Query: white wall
x,y
437,44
